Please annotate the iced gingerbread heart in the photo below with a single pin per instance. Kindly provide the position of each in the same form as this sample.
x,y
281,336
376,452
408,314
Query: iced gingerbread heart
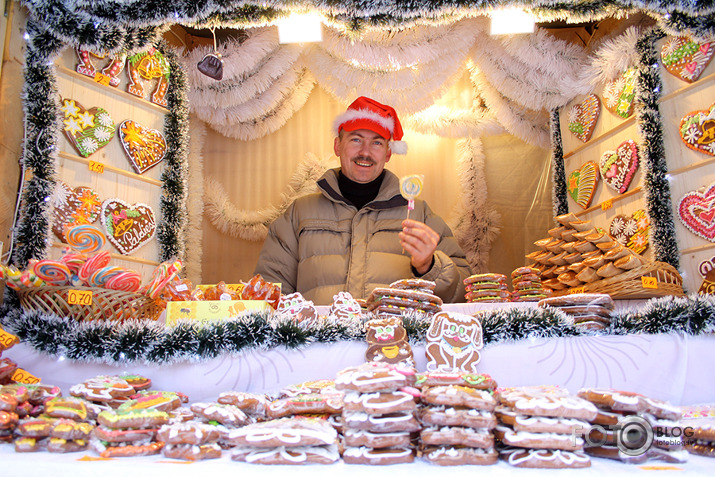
x,y
88,130
697,212
582,117
619,93
697,130
631,231
128,227
109,73
582,184
73,207
145,147
618,167
686,58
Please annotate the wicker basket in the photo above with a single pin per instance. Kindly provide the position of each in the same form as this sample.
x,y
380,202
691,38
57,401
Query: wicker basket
x,y
630,284
112,305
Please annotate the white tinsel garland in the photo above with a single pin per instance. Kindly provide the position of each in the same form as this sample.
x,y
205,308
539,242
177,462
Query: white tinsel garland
x,y
476,224
447,122
253,225
195,203
612,57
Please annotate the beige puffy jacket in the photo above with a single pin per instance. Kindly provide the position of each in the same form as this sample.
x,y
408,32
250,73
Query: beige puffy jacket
x,y
322,245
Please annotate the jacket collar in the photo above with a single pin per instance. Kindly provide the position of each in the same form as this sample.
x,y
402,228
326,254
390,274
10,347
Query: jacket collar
x,y
388,197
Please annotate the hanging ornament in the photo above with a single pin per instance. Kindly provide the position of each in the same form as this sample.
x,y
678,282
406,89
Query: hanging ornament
x,y
212,64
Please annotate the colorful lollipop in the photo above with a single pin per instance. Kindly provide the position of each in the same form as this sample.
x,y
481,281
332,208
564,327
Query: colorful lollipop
x,y
410,188
100,277
93,263
162,275
74,261
127,280
85,238
52,271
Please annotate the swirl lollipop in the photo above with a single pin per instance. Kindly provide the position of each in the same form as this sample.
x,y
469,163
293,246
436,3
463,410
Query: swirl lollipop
x,y
93,263
127,280
410,188
85,238
53,272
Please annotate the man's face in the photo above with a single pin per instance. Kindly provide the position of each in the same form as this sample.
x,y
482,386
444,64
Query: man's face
x,y
363,154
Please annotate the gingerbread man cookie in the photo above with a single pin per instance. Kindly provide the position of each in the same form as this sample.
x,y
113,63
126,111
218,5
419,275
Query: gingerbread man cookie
x,y
453,342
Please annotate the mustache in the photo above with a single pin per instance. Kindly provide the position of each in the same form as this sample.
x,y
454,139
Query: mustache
x,y
364,159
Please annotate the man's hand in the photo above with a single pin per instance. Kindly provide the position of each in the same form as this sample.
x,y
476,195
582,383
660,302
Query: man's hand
x,y
420,242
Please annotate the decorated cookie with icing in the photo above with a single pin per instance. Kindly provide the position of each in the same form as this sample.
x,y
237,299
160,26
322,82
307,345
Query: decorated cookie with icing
x,y
76,206
88,130
128,227
192,452
618,94
614,400
544,458
453,343
390,422
549,401
250,403
103,389
455,378
159,400
686,58
697,130
288,432
633,231
191,432
457,436
458,455
306,404
226,414
457,416
538,440
708,285
287,455
618,167
149,66
582,182
369,456
582,117
145,147
107,73
387,341
372,376
296,307
132,418
697,212
459,396
345,307
376,440
380,402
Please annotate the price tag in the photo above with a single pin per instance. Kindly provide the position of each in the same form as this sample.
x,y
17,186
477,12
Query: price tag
x,y
182,287
97,167
101,79
22,376
607,204
79,297
7,340
649,282
573,291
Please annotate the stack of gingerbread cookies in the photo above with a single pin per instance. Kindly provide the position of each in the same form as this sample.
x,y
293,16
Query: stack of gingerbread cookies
x,y
589,311
622,425
539,426
191,440
404,296
128,432
378,413
458,418
526,283
487,288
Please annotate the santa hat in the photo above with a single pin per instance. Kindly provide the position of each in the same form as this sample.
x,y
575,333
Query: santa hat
x,y
366,113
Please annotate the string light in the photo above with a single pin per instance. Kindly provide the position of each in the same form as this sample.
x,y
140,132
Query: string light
x,y
511,20
300,28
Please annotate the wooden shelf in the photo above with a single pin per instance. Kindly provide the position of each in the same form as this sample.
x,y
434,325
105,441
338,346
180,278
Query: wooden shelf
x,y
700,248
107,167
613,199
625,124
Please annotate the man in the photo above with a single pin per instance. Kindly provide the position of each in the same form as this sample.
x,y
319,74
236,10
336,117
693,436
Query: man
x,y
353,234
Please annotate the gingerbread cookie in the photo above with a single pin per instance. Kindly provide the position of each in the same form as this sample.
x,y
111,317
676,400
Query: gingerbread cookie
x,y
391,422
226,414
128,227
306,404
457,436
345,307
145,147
376,440
456,378
455,416
108,451
548,401
73,207
538,440
582,118
369,456
134,418
380,402
416,284
558,425
686,58
614,400
191,432
581,184
59,445
132,435
251,404
387,341
453,342
297,308
459,396
619,93
451,455
289,432
697,209
372,376
87,130
192,452
544,458
287,455
67,408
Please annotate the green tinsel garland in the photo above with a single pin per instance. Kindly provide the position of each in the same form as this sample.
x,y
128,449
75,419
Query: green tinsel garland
x,y
649,87
559,195
151,342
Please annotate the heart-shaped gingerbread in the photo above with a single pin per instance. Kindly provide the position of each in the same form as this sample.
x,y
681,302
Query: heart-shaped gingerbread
x,y
73,207
686,58
618,94
88,130
583,117
128,227
114,65
618,167
582,183
697,130
697,212
145,147
632,231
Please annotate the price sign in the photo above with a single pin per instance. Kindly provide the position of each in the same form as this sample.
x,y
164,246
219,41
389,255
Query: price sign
x,y
79,297
101,79
7,340
573,291
97,167
607,204
649,282
22,376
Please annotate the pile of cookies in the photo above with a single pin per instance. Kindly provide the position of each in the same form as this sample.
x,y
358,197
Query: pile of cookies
x,y
378,417
128,432
539,426
458,419
487,288
526,282
577,253
623,415
589,311
404,296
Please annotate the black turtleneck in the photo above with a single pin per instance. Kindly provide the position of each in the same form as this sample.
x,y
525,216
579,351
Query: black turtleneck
x,y
359,194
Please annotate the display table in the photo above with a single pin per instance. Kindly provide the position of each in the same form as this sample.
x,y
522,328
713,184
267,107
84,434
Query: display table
x,y
673,367
71,465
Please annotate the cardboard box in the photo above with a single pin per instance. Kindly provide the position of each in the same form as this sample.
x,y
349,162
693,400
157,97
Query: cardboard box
x,y
206,311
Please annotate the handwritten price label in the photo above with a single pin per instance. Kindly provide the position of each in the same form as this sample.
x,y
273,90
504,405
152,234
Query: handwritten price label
x,y
7,340
22,376
649,282
79,297
573,291
607,204
97,167
101,79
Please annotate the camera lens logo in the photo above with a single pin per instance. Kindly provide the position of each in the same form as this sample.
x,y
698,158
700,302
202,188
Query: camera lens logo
x,y
634,436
